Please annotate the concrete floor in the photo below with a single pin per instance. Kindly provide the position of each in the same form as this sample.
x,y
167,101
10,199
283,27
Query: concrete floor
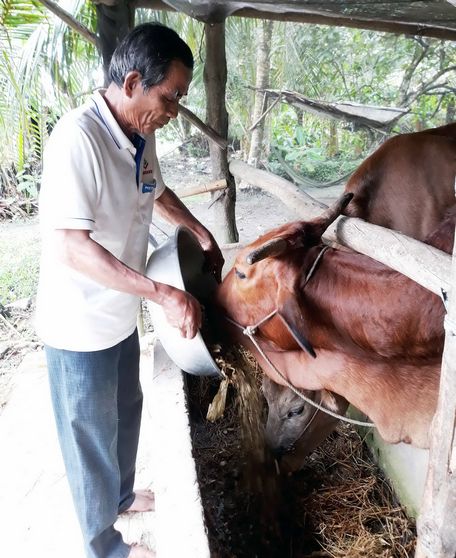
x,y
36,511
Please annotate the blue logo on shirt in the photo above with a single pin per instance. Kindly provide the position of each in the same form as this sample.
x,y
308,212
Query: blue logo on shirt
x,y
148,188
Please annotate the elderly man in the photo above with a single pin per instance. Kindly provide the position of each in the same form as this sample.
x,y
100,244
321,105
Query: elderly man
x,y
100,181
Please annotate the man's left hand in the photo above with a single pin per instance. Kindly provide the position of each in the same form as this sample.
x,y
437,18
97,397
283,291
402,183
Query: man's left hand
x,y
214,258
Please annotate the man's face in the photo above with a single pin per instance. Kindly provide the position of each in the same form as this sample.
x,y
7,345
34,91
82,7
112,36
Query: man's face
x,y
146,111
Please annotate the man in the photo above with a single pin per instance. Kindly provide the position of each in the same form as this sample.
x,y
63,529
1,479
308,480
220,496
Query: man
x,y
100,180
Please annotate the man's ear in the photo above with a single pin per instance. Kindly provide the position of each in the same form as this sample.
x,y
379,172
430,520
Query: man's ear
x,y
131,82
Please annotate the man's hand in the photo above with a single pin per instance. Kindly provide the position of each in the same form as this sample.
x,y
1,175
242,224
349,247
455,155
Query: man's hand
x,y
183,311
214,257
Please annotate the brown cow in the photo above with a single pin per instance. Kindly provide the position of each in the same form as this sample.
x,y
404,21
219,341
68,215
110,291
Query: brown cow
x,y
378,336
407,184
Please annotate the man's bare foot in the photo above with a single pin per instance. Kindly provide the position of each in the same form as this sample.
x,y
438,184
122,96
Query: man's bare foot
x,y
144,501
138,551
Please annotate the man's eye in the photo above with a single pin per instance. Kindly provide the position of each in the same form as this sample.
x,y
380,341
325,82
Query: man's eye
x,y
239,274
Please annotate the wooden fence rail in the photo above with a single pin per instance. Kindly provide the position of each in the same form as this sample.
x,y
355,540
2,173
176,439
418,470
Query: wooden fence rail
x,y
426,265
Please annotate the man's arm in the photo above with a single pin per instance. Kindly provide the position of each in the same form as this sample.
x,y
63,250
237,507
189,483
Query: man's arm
x,y
171,209
76,249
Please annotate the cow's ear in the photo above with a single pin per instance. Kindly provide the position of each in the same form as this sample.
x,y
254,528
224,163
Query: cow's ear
x,y
315,228
291,316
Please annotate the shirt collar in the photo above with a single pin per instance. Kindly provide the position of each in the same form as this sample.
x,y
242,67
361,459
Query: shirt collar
x,y
107,118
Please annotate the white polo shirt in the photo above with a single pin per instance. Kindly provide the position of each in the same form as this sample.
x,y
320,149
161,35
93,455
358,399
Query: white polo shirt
x,y
90,182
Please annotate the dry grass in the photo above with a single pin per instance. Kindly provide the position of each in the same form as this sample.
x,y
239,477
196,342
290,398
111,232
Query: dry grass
x,y
338,506
354,513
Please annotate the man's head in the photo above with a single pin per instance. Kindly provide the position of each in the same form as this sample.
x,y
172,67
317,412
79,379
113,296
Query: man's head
x,y
152,67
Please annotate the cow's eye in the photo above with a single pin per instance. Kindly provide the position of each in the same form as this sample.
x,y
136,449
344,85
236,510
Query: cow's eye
x,y
295,412
239,273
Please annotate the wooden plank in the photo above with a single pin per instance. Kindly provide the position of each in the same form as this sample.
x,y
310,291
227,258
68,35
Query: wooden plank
x,y
424,264
425,19
207,130
201,188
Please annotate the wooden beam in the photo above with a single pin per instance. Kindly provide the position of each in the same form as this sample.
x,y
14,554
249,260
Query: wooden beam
x,y
314,16
424,264
436,523
207,130
200,189
303,14
67,18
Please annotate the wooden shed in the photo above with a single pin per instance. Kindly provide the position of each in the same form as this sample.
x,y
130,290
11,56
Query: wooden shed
x,y
427,18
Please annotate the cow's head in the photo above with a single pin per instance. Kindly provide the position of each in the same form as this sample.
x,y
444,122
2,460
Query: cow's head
x,y
266,277
294,428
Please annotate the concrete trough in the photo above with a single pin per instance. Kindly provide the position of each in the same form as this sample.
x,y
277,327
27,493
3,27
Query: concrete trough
x,y
180,527
403,465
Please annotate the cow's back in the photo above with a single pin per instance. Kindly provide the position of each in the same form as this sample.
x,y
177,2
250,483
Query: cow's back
x,y
407,184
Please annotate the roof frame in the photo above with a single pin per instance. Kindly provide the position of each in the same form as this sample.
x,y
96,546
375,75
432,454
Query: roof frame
x,y
426,18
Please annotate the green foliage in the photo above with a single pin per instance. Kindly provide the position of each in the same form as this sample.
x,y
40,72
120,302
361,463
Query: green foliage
x,y
45,68
19,280
19,265
337,64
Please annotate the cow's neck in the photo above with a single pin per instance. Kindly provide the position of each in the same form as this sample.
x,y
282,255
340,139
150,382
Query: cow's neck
x,y
398,397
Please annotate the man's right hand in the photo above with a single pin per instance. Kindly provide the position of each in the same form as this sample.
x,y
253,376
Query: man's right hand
x,y
182,311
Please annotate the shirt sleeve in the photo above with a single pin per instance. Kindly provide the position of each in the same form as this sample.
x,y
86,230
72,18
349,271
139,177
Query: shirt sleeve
x,y
68,196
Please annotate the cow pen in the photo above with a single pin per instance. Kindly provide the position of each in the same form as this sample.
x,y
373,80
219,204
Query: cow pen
x,y
182,523
435,271
405,466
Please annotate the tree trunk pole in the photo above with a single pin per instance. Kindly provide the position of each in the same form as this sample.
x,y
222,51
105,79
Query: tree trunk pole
x,y
217,118
262,82
437,520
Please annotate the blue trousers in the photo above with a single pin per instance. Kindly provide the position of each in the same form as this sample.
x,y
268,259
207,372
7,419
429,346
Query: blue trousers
x,y
97,401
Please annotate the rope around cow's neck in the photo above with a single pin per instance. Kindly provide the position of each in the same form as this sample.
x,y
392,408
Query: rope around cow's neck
x,y
250,331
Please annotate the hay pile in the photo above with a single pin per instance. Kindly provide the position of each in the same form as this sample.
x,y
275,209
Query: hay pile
x,y
338,506
353,510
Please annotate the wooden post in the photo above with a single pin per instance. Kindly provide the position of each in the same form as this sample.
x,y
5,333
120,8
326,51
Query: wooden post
x,y
437,520
217,118
114,21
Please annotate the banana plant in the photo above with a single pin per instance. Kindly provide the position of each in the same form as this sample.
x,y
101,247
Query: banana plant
x,y
45,69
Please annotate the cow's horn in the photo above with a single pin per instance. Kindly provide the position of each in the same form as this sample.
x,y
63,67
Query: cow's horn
x,y
335,209
274,247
